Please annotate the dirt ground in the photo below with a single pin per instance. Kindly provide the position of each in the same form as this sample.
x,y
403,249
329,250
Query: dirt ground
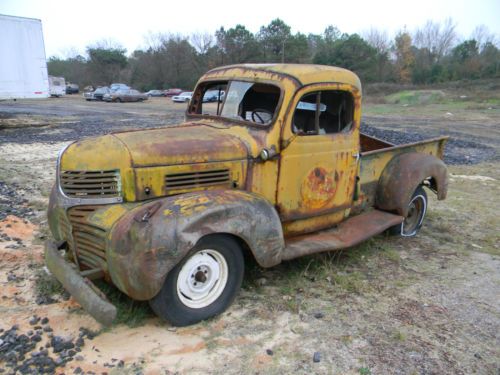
x,y
425,305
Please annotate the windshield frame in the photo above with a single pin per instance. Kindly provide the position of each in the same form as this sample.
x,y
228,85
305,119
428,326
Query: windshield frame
x,y
191,110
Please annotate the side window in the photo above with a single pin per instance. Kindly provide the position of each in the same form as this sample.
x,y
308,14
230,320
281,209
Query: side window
x,y
213,96
324,112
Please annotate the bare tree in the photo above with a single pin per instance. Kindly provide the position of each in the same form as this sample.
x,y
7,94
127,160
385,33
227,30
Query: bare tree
x,y
481,34
437,38
202,42
378,39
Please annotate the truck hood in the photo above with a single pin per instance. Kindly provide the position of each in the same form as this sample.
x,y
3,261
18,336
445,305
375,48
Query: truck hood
x,y
182,144
186,144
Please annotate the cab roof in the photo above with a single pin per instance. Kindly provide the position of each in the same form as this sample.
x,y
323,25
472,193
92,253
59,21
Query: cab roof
x,y
303,74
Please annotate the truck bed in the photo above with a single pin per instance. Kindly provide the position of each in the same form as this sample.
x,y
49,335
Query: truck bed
x,y
376,154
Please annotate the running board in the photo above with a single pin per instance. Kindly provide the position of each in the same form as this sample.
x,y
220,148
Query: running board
x,y
348,233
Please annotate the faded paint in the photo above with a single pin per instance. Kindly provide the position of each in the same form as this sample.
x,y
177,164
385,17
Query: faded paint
x,y
205,177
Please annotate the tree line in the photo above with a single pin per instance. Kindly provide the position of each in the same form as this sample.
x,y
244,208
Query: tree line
x,y
433,53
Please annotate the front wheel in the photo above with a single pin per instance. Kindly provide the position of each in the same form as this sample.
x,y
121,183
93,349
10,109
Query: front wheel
x,y
203,285
414,219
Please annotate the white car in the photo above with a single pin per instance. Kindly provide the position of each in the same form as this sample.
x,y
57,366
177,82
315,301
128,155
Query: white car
x,y
183,97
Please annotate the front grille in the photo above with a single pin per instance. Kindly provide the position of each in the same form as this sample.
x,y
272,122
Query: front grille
x,y
89,240
90,184
196,179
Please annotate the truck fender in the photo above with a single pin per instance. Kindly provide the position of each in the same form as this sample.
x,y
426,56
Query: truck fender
x,y
403,174
147,242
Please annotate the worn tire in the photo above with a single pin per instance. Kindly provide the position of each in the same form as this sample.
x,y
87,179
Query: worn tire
x,y
415,218
173,302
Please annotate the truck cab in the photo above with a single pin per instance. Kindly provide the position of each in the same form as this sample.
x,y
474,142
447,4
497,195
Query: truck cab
x,y
276,167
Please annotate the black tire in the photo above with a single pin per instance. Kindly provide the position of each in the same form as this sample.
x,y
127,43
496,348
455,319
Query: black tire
x,y
117,100
168,303
416,215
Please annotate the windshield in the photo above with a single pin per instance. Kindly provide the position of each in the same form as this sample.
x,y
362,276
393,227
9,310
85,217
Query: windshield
x,y
252,102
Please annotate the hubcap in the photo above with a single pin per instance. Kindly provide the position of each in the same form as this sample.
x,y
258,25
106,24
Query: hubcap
x,y
202,279
416,213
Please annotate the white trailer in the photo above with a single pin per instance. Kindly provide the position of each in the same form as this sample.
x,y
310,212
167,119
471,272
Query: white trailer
x,y
57,86
23,66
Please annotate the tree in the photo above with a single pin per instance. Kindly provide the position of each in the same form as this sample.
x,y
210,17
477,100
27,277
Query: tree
x,y
273,39
405,57
238,45
73,69
380,41
350,52
105,63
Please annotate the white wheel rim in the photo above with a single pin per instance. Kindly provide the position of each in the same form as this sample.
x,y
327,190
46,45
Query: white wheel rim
x,y
421,219
202,279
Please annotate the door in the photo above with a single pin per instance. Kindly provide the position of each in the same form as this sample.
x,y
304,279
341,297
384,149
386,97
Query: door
x,y
319,164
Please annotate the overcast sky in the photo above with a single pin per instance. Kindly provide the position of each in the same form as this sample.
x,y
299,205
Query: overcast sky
x,y
70,26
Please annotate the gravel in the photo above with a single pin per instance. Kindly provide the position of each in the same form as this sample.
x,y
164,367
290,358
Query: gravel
x,y
13,202
457,151
18,350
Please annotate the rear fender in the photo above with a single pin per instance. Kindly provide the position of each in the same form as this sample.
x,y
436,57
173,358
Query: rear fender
x,y
147,242
403,174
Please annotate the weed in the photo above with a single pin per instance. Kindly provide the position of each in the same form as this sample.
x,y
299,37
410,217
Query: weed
x,y
364,371
129,312
46,285
399,336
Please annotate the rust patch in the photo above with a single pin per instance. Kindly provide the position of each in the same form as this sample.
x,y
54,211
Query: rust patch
x,y
318,189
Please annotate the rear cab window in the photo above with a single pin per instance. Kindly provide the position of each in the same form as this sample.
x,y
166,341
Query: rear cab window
x,y
324,112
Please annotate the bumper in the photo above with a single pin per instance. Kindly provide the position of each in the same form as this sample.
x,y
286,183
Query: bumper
x,y
85,293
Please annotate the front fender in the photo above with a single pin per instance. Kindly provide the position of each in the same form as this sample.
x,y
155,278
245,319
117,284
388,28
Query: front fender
x,y
147,242
403,174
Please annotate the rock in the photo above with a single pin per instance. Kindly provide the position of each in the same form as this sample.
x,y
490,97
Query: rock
x,y
269,352
478,356
121,364
79,358
36,338
262,281
34,320
319,315
316,357
78,370
80,342
45,320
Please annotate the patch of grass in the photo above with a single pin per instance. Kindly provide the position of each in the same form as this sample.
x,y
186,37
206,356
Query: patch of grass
x,y
352,282
129,312
391,254
416,97
399,336
46,285
364,371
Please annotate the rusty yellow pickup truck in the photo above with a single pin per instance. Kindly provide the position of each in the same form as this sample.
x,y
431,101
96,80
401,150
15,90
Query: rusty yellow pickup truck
x,y
276,168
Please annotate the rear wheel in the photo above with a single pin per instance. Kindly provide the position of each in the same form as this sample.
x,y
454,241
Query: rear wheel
x,y
414,219
203,285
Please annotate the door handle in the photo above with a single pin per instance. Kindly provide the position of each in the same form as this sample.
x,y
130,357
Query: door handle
x,y
356,156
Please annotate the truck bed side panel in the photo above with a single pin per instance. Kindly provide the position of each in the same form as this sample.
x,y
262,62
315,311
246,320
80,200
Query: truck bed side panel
x,y
373,163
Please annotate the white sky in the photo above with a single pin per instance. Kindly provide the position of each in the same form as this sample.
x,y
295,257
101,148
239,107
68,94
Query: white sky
x,y
70,25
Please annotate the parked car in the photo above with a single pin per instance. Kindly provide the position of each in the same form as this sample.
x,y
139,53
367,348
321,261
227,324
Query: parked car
x,y
118,86
98,94
213,96
155,93
183,97
72,88
125,95
173,92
